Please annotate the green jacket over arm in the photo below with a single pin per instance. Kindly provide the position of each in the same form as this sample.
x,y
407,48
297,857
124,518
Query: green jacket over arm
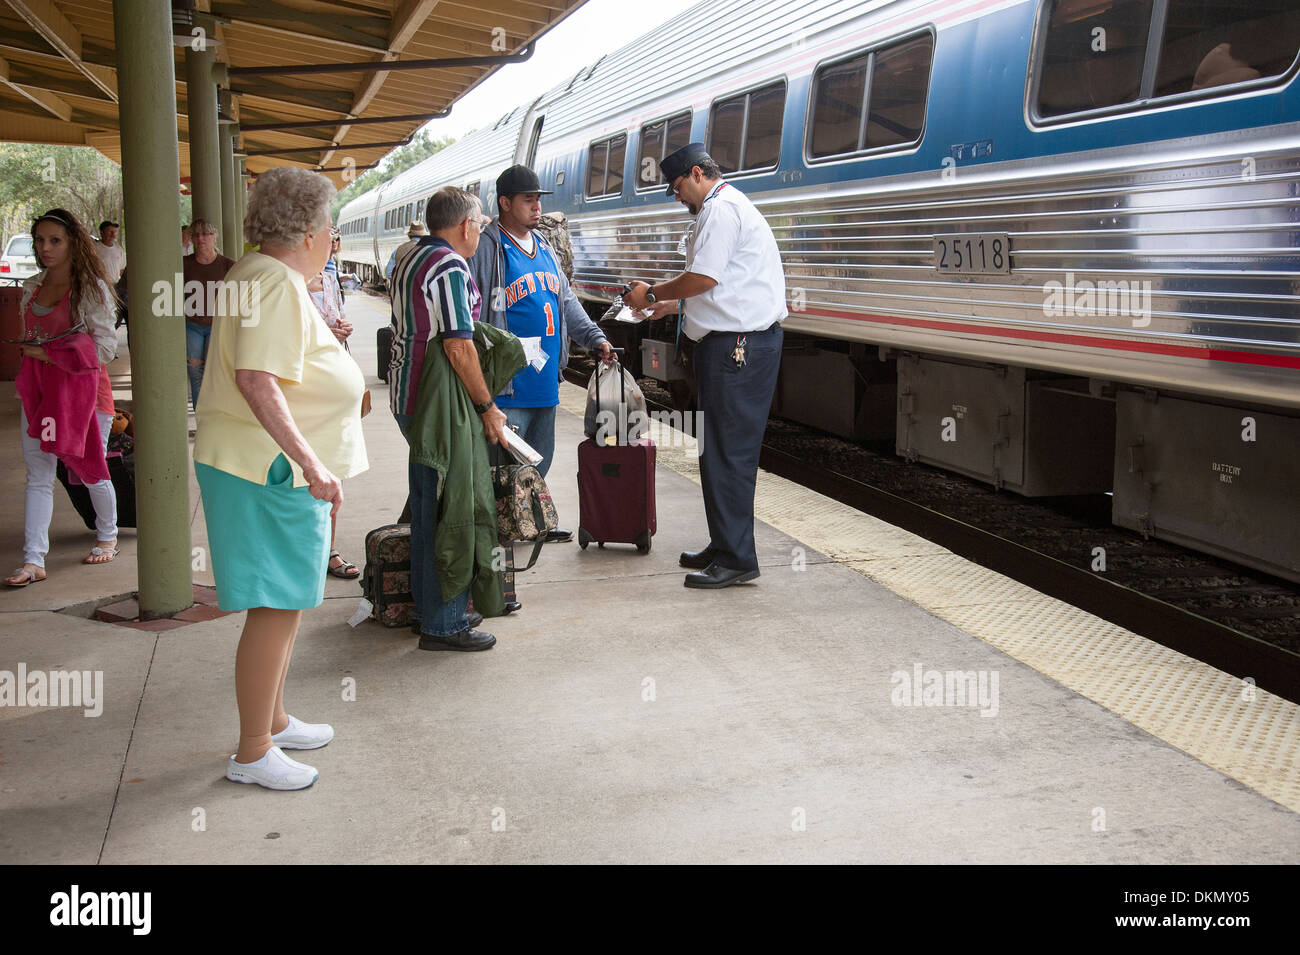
x,y
447,435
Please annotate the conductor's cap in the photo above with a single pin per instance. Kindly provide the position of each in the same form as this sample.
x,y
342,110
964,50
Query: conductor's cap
x,y
679,163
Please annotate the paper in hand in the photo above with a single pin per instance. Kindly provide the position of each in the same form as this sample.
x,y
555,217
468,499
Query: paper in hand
x,y
520,449
627,314
534,353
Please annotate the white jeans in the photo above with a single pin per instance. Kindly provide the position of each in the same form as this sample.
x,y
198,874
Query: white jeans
x,y
40,494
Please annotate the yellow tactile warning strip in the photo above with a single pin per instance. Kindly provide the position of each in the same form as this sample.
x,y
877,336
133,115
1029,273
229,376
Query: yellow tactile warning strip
x,y
1225,722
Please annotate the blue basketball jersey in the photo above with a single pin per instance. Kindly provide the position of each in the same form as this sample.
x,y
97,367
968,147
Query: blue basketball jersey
x,y
532,290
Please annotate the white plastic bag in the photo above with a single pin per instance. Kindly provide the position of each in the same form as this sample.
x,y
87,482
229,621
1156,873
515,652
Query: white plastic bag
x,y
616,408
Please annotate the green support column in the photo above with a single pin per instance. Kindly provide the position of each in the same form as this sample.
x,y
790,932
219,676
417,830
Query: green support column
x,y
243,203
229,231
146,86
205,153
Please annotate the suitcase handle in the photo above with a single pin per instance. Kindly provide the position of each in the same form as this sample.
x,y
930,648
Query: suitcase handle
x,y
622,381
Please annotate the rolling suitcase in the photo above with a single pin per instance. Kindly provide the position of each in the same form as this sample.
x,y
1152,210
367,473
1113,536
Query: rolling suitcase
x,y
383,351
616,492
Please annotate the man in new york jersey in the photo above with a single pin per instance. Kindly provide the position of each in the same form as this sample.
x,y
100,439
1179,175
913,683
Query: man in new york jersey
x,y
525,292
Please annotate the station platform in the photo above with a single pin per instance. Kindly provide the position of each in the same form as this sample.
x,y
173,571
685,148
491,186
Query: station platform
x,y
622,718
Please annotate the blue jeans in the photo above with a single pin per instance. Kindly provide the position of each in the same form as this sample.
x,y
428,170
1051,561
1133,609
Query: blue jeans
x,y
436,618
196,349
537,427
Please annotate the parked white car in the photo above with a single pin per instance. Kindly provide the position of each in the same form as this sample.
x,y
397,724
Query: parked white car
x,y
19,260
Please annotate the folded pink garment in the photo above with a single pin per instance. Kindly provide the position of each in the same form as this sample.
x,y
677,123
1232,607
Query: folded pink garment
x,y
59,399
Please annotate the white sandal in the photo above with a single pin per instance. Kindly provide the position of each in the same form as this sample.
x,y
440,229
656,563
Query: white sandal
x,y
23,572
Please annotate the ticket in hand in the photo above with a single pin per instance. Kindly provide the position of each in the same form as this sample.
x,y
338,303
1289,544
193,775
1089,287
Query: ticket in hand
x,y
520,449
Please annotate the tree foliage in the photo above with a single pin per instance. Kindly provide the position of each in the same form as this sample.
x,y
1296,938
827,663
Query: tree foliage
x,y
34,178
398,161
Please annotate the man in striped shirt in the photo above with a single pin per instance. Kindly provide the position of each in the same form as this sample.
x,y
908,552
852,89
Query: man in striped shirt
x,y
435,305
435,300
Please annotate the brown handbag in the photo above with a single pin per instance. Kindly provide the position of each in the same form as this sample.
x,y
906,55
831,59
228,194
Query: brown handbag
x,y
365,403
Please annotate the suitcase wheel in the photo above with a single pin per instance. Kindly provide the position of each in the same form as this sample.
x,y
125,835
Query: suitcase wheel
x,y
584,538
643,542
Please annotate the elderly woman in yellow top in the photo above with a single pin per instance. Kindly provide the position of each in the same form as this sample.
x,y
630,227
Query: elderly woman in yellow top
x,y
278,429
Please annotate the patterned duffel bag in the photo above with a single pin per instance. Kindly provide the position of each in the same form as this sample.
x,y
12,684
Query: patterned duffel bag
x,y
386,582
525,511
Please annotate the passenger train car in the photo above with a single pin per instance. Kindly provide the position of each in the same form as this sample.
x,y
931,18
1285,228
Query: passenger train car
x,y
1051,244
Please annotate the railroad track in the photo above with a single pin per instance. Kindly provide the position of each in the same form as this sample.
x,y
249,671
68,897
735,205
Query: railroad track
x,y
1243,623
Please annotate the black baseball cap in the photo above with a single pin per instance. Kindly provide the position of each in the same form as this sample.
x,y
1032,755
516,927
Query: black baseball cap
x,y
518,180
682,161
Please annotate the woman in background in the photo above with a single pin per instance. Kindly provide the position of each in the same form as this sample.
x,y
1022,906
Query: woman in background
x,y
68,307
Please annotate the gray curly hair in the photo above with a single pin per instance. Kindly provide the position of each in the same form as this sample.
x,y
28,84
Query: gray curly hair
x,y
286,205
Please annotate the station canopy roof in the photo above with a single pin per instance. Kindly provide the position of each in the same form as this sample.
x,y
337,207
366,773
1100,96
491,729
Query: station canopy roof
x,y
58,77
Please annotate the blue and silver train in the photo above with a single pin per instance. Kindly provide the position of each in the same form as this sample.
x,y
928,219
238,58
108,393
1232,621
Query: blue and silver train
x,y
1051,244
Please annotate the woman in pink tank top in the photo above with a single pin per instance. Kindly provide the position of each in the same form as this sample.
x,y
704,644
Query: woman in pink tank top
x,y
69,295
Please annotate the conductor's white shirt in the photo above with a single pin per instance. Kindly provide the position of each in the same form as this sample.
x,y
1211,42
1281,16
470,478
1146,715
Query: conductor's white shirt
x,y
733,245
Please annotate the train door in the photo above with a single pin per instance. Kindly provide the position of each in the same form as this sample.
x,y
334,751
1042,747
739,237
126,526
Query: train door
x,y
378,218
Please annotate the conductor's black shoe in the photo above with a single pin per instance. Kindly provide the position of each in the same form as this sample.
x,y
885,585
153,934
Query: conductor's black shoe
x,y
465,640
697,559
473,617
558,536
512,606
714,577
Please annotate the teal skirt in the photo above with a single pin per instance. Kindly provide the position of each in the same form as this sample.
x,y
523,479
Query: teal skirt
x,y
269,544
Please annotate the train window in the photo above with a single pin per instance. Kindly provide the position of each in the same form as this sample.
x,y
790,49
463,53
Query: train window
x,y
1207,45
1099,54
605,167
726,127
745,130
837,107
657,141
614,175
1094,55
872,100
597,157
388,219
896,106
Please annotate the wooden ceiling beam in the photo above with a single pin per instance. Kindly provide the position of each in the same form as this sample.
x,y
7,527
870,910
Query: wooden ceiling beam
x,y
48,20
46,100
407,20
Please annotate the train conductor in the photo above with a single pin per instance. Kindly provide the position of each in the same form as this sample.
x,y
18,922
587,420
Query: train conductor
x,y
734,292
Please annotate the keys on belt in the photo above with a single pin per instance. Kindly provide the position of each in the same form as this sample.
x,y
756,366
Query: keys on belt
x,y
738,353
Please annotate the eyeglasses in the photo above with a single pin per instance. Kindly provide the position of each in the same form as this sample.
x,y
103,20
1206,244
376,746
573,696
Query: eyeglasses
x,y
676,185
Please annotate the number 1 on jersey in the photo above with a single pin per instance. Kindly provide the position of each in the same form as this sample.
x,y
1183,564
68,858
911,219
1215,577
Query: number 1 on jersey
x,y
550,320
